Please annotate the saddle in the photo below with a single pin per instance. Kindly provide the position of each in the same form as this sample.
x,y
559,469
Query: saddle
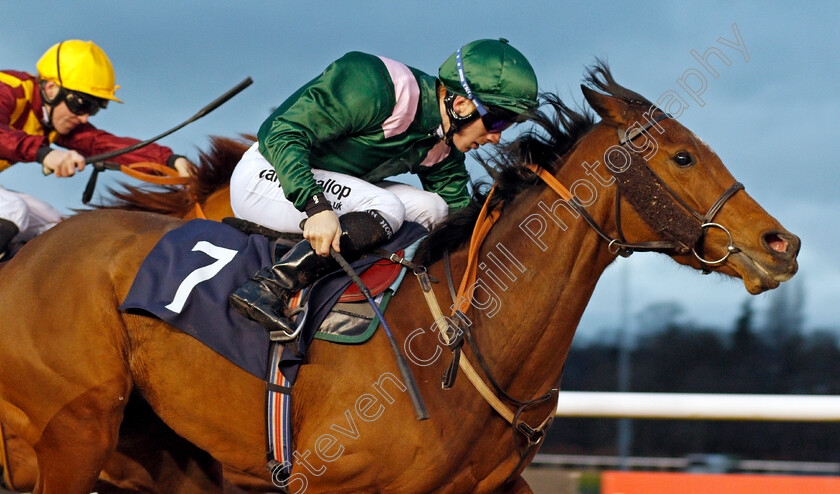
x,y
377,278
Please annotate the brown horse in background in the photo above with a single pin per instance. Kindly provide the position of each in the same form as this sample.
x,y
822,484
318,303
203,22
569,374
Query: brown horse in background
x,y
208,186
149,453
82,358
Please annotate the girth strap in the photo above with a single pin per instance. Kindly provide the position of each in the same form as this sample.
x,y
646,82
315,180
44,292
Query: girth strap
x,y
164,176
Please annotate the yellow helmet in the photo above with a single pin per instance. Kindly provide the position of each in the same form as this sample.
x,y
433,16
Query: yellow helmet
x,y
79,66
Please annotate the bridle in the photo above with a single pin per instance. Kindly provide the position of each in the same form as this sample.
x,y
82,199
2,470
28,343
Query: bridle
x,y
617,246
620,246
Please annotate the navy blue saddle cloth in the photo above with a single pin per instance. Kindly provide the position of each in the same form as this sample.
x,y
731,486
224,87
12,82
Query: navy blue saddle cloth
x,y
187,277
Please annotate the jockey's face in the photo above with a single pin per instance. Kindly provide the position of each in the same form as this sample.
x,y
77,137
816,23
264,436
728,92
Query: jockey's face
x,y
63,120
473,134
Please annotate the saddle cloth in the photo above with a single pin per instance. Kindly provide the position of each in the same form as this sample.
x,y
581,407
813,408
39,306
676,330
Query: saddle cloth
x,y
187,277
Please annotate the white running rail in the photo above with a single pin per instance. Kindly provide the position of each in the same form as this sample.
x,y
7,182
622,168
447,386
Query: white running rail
x,y
703,406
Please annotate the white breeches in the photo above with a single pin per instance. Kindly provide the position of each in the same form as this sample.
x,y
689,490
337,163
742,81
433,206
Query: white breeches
x,y
32,216
256,196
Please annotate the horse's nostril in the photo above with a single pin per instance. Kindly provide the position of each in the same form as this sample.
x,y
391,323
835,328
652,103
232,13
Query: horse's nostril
x,y
775,242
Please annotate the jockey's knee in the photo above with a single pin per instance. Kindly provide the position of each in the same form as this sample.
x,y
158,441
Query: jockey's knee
x,y
429,210
426,208
387,205
395,222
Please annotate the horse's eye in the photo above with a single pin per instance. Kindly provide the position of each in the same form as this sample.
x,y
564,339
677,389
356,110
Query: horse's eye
x,y
683,159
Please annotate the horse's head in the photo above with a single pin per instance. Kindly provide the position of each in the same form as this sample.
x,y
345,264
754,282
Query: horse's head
x,y
682,194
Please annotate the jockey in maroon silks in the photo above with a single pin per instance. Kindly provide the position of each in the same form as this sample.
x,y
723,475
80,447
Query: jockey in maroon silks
x,y
75,80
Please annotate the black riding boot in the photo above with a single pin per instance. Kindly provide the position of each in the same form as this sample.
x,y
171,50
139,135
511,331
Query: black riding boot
x,y
8,231
265,298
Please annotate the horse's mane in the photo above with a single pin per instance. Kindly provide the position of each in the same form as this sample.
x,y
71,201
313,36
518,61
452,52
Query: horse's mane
x,y
555,130
599,77
212,173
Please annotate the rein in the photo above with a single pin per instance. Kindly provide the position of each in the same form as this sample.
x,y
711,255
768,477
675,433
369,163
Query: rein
x,y
163,175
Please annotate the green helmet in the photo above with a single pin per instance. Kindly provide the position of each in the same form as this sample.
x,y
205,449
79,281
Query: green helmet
x,y
494,73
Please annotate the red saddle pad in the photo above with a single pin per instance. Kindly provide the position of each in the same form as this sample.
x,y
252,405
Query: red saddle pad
x,y
377,278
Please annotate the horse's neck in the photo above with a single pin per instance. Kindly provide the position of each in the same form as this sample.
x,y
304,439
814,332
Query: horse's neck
x,y
529,301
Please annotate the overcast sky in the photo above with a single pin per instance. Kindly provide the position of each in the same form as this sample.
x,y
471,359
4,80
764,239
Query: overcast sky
x,y
771,119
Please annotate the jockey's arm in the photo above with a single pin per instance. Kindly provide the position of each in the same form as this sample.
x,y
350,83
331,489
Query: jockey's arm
x,y
89,141
449,180
353,96
344,100
15,145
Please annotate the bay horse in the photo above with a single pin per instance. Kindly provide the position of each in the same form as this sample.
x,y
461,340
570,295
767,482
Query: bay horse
x,y
82,358
149,453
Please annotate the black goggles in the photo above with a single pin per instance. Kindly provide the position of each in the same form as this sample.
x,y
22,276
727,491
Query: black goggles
x,y
497,120
83,104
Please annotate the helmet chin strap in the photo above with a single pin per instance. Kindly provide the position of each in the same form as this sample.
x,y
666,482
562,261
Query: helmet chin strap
x,y
49,103
456,122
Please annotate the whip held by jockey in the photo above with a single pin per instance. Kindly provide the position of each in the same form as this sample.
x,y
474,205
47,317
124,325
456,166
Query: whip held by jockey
x,y
321,160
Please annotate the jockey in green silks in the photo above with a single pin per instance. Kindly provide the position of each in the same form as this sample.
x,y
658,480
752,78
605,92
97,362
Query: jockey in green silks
x,y
321,160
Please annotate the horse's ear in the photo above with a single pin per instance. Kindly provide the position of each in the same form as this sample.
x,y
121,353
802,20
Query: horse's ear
x,y
612,110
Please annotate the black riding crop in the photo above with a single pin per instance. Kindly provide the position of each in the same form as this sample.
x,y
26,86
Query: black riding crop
x,y
88,194
411,385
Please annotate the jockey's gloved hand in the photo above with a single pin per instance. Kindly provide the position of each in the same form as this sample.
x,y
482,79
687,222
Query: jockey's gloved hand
x,y
323,230
358,231
364,230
